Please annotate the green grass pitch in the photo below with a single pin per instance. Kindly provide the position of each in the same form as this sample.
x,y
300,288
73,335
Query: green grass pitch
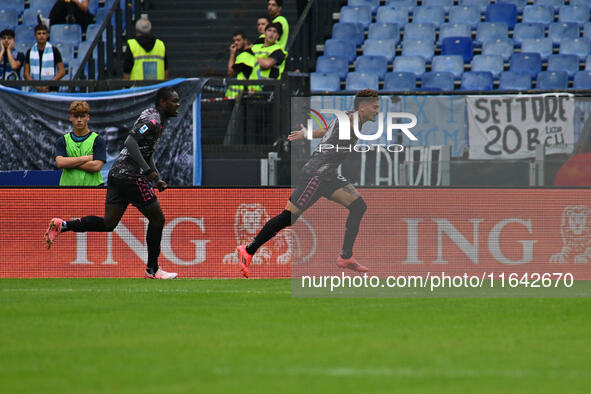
x,y
251,336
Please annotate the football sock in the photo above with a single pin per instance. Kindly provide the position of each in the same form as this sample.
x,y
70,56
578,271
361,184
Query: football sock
x,y
270,229
87,223
153,237
356,210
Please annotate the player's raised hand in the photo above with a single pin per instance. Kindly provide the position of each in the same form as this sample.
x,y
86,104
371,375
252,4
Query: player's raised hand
x,y
297,135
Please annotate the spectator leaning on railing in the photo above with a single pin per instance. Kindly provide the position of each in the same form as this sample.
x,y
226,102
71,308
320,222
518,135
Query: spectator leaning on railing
x,y
145,57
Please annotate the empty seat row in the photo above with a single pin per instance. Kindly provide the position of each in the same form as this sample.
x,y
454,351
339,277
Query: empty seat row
x,y
444,81
496,12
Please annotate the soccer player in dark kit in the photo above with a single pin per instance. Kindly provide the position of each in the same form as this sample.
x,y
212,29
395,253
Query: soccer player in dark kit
x,y
320,179
130,180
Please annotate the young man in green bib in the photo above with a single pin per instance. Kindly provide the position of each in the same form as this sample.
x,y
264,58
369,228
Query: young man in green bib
x,y
81,153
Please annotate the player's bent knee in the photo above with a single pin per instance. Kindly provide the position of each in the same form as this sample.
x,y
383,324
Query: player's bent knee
x,y
110,225
358,207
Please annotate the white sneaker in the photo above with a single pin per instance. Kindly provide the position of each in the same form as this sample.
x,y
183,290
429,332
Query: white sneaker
x,y
160,274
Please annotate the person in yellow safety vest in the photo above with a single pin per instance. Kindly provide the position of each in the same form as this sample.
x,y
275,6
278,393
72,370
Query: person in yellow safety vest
x,y
240,63
262,23
270,58
82,153
274,8
145,57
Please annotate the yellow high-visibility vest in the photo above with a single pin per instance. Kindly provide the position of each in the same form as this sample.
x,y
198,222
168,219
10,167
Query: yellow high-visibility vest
x,y
147,65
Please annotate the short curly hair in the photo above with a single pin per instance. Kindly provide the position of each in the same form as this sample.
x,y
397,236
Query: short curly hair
x,y
79,107
364,95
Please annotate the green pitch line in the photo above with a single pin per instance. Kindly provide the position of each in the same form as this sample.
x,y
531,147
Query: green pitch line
x,y
251,336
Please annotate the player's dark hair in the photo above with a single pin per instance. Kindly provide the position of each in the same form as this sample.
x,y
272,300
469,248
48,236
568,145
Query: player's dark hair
x,y
279,2
240,33
41,26
265,17
364,95
163,94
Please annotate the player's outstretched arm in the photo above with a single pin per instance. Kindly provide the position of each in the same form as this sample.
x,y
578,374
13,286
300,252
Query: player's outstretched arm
x,y
298,135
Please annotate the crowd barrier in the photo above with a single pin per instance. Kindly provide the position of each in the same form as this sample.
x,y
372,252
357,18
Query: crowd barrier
x,y
405,230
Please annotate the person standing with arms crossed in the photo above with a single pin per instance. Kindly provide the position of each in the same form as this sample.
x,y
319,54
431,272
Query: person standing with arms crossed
x,y
81,153
130,180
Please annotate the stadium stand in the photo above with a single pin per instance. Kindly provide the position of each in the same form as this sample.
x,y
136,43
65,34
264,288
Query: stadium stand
x,y
429,14
582,80
574,14
554,4
568,63
501,46
537,13
420,31
458,46
469,14
558,31
502,12
348,32
523,31
421,48
384,31
44,5
361,14
342,48
491,63
410,64
8,18
359,81
437,81
385,48
71,34
368,64
333,64
575,46
452,63
387,14
324,82
454,30
489,31
528,62
541,46
17,5
514,80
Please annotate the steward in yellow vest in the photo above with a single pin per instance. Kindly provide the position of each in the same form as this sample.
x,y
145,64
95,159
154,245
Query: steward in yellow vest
x,y
274,8
145,57
270,57
240,63
82,153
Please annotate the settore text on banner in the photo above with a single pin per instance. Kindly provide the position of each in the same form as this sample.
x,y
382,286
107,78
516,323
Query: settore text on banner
x,y
510,127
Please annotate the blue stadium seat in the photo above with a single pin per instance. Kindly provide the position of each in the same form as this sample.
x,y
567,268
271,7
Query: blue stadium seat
x,y
502,12
73,67
454,30
587,30
66,49
8,18
372,4
519,4
558,31
488,31
437,81
582,80
342,48
580,2
93,6
410,4
528,62
435,15
575,46
384,31
568,63
85,45
320,82
502,47
477,80
372,65
22,47
452,63
360,81
420,31
386,48
25,33
66,33
523,31
458,46
491,63
332,64
555,4
400,82
481,4
465,14
552,80
44,5
514,80
17,5
410,64
574,14
542,46
30,16
92,29
588,63
387,14
360,14
348,31
424,49
445,4
538,14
